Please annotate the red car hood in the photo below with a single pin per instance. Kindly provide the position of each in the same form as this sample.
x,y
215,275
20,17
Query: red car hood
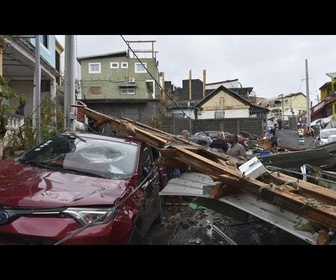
x,y
27,186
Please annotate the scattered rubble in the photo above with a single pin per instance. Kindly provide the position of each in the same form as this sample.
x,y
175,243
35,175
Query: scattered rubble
x,y
196,224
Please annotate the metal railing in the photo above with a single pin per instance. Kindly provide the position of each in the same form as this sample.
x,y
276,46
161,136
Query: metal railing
x,y
14,122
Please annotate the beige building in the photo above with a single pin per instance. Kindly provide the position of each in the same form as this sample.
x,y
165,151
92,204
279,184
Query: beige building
x,y
285,106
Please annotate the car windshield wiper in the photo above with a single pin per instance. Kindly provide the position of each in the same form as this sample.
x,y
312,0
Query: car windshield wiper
x,y
29,162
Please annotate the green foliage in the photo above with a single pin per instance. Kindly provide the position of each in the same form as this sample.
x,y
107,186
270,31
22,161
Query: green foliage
x,y
52,122
3,37
156,118
155,121
26,136
52,118
6,94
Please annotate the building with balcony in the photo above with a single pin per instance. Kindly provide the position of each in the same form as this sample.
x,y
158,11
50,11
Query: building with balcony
x,y
19,63
327,107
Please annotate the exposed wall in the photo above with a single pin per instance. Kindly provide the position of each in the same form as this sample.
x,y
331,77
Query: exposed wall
x,y
47,54
137,111
176,125
197,90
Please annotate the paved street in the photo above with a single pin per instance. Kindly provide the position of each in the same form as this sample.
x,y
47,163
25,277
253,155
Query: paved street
x,y
289,138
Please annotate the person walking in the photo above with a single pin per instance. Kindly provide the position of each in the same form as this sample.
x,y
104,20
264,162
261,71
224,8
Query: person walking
x,y
280,123
274,143
300,133
236,149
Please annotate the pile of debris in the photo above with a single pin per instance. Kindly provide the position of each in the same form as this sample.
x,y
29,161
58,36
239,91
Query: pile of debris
x,y
276,191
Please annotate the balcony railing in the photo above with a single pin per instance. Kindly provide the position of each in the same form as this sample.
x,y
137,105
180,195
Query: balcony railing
x,y
14,123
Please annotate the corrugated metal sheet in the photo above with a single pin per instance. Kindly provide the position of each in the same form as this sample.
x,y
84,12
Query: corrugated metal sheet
x,y
200,185
189,184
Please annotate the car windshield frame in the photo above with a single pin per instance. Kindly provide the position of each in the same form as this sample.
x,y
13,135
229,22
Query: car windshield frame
x,y
88,156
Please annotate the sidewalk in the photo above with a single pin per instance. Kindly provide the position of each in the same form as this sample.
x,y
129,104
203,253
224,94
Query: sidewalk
x,y
290,138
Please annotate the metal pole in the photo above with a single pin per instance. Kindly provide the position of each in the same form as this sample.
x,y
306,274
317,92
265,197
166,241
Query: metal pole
x,y
283,107
37,92
69,79
307,93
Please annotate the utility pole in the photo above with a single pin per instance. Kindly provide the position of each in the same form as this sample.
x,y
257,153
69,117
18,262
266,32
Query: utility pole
x,y
69,80
283,107
307,94
37,91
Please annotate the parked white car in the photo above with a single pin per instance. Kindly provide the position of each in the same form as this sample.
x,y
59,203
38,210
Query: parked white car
x,y
327,135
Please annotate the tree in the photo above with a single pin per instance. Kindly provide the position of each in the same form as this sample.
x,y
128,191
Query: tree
x,y
5,91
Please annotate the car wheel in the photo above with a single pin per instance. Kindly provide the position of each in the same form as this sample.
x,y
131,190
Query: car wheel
x,y
136,238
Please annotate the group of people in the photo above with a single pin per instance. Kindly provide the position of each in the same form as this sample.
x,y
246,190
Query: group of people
x,y
228,145
305,130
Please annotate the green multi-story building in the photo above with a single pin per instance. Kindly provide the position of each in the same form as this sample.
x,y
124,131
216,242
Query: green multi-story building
x,y
121,85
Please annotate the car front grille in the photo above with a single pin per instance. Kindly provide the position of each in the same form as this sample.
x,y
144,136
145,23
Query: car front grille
x,y
11,239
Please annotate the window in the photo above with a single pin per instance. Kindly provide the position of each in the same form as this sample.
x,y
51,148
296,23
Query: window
x,y
140,68
95,90
219,115
127,90
124,64
94,67
44,40
150,87
114,65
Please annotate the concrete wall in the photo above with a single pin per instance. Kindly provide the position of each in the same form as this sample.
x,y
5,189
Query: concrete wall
x,y
176,125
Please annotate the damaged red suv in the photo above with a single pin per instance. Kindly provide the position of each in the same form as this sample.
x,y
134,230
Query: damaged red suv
x,y
80,189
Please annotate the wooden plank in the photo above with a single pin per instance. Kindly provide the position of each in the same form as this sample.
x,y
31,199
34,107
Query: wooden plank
x,y
307,189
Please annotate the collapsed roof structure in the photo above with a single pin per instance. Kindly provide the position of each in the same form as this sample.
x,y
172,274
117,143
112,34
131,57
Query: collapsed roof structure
x,y
285,201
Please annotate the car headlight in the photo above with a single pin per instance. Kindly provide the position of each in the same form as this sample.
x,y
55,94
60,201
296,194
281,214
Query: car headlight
x,y
94,216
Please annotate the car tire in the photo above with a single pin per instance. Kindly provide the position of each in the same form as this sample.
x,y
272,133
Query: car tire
x,y
136,238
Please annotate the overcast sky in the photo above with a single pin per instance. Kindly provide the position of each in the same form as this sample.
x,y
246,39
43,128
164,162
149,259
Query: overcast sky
x,y
271,64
